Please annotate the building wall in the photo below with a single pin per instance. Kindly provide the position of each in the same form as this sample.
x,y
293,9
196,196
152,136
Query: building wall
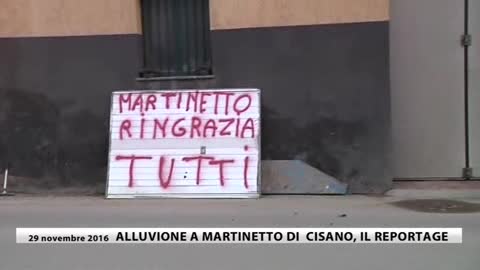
x,y
322,67
27,18
32,18
235,14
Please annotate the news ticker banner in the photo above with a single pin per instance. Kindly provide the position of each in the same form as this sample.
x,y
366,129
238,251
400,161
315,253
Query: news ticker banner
x,y
238,235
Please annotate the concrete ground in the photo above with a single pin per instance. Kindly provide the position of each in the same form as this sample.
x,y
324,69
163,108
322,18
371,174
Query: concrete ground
x,y
282,211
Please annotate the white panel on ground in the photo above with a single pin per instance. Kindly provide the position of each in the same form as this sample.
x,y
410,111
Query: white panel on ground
x,y
184,143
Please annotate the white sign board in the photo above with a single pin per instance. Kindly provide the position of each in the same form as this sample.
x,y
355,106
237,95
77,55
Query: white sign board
x,y
184,143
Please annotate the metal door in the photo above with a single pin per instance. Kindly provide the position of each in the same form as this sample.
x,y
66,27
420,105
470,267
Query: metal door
x,y
473,29
427,84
